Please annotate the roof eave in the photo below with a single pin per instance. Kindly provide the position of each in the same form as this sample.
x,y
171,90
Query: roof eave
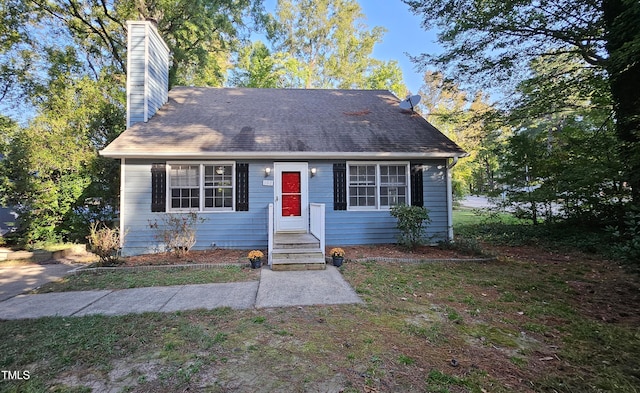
x,y
250,155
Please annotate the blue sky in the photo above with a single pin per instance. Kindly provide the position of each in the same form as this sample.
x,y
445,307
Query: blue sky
x,y
404,37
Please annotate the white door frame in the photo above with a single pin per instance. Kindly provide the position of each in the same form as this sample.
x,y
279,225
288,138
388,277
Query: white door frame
x,y
298,223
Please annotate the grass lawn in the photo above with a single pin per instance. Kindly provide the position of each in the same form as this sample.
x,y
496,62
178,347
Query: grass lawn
x,y
535,320
122,279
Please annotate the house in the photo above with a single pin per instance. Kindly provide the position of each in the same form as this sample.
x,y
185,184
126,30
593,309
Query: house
x,y
259,164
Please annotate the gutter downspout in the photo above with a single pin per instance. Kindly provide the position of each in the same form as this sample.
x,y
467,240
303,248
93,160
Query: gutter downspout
x,y
450,165
123,166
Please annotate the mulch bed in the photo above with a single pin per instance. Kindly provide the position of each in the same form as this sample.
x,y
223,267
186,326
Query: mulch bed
x,y
225,256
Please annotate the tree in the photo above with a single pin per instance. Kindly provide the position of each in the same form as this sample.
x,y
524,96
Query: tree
x,y
467,120
492,42
51,166
255,67
567,140
321,44
200,33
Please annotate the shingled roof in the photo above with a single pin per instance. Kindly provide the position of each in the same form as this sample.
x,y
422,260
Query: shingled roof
x,y
282,123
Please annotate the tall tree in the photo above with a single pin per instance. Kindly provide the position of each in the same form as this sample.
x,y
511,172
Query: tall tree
x,y
51,166
567,140
201,33
466,119
255,67
323,44
491,42
14,61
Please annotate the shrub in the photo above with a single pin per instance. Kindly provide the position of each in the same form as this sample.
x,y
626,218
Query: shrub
x,y
627,237
177,232
411,223
105,243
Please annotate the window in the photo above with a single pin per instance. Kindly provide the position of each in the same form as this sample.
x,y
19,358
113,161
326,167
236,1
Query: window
x,y
201,187
184,187
218,186
377,185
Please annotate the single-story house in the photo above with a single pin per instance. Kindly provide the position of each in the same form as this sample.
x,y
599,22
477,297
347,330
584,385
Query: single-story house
x,y
258,164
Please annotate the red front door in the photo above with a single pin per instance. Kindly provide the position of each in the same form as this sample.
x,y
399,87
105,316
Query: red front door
x,y
290,195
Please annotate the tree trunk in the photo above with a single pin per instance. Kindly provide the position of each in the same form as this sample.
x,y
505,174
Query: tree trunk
x,y
623,40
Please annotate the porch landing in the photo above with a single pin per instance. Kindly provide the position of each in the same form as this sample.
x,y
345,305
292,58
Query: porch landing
x,y
297,251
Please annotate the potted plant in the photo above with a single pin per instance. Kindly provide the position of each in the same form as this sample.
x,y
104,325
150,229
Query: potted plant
x,y
337,254
255,257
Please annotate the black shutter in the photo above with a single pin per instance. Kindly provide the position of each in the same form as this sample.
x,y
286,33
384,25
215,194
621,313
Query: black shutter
x,y
158,188
340,186
242,187
417,191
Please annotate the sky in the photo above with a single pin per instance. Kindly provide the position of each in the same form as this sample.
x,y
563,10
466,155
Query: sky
x,y
404,37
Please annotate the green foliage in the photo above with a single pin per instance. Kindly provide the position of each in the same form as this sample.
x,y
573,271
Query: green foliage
x,y
627,238
177,232
469,121
411,223
322,44
51,165
565,60
105,243
255,67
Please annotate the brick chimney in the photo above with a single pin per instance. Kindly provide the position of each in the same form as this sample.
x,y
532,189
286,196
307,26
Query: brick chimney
x,y
147,71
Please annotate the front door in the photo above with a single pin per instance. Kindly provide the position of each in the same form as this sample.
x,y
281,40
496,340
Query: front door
x,y
291,199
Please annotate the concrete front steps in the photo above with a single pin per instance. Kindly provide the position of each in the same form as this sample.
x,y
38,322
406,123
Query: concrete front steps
x,y
297,251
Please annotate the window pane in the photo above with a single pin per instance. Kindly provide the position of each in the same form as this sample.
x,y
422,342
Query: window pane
x,y
218,187
362,185
393,185
185,175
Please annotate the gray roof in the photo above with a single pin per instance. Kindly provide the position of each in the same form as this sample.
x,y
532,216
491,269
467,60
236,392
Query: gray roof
x,y
282,123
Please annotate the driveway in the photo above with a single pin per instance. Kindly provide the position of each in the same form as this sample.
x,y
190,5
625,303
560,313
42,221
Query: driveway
x,y
15,280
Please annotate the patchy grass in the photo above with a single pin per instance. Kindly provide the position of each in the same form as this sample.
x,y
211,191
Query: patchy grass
x,y
533,321
122,279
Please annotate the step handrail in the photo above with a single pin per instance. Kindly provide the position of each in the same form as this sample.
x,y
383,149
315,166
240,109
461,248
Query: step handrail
x,y
317,223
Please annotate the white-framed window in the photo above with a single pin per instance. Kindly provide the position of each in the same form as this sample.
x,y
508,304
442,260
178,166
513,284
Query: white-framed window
x,y
206,186
377,185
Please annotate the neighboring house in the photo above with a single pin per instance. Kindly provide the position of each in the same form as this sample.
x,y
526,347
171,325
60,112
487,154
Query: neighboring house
x,y
260,162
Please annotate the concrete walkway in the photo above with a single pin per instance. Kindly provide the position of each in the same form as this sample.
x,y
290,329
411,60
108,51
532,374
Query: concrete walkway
x,y
275,289
15,280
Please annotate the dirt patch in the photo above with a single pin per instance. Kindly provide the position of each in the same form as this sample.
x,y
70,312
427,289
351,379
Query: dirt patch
x,y
218,255
398,252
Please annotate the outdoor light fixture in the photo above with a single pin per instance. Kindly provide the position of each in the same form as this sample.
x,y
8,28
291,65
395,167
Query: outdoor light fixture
x,y
267,171
313,172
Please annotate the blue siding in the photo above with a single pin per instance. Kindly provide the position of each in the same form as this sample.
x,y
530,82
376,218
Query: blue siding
x,y
147,78
248,229
344,227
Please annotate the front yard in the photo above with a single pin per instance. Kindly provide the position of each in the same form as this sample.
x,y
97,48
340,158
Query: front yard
x,y
531,321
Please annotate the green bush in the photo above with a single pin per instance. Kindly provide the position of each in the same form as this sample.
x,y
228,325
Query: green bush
x,y
627,237
411,223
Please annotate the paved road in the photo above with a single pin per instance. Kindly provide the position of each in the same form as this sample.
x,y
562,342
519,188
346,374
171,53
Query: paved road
x,y
476,202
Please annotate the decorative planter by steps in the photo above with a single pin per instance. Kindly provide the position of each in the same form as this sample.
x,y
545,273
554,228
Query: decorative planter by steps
x,y
256,263
337,261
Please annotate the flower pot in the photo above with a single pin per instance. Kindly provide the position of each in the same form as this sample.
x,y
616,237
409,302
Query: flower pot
x,y
337,261
256,263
